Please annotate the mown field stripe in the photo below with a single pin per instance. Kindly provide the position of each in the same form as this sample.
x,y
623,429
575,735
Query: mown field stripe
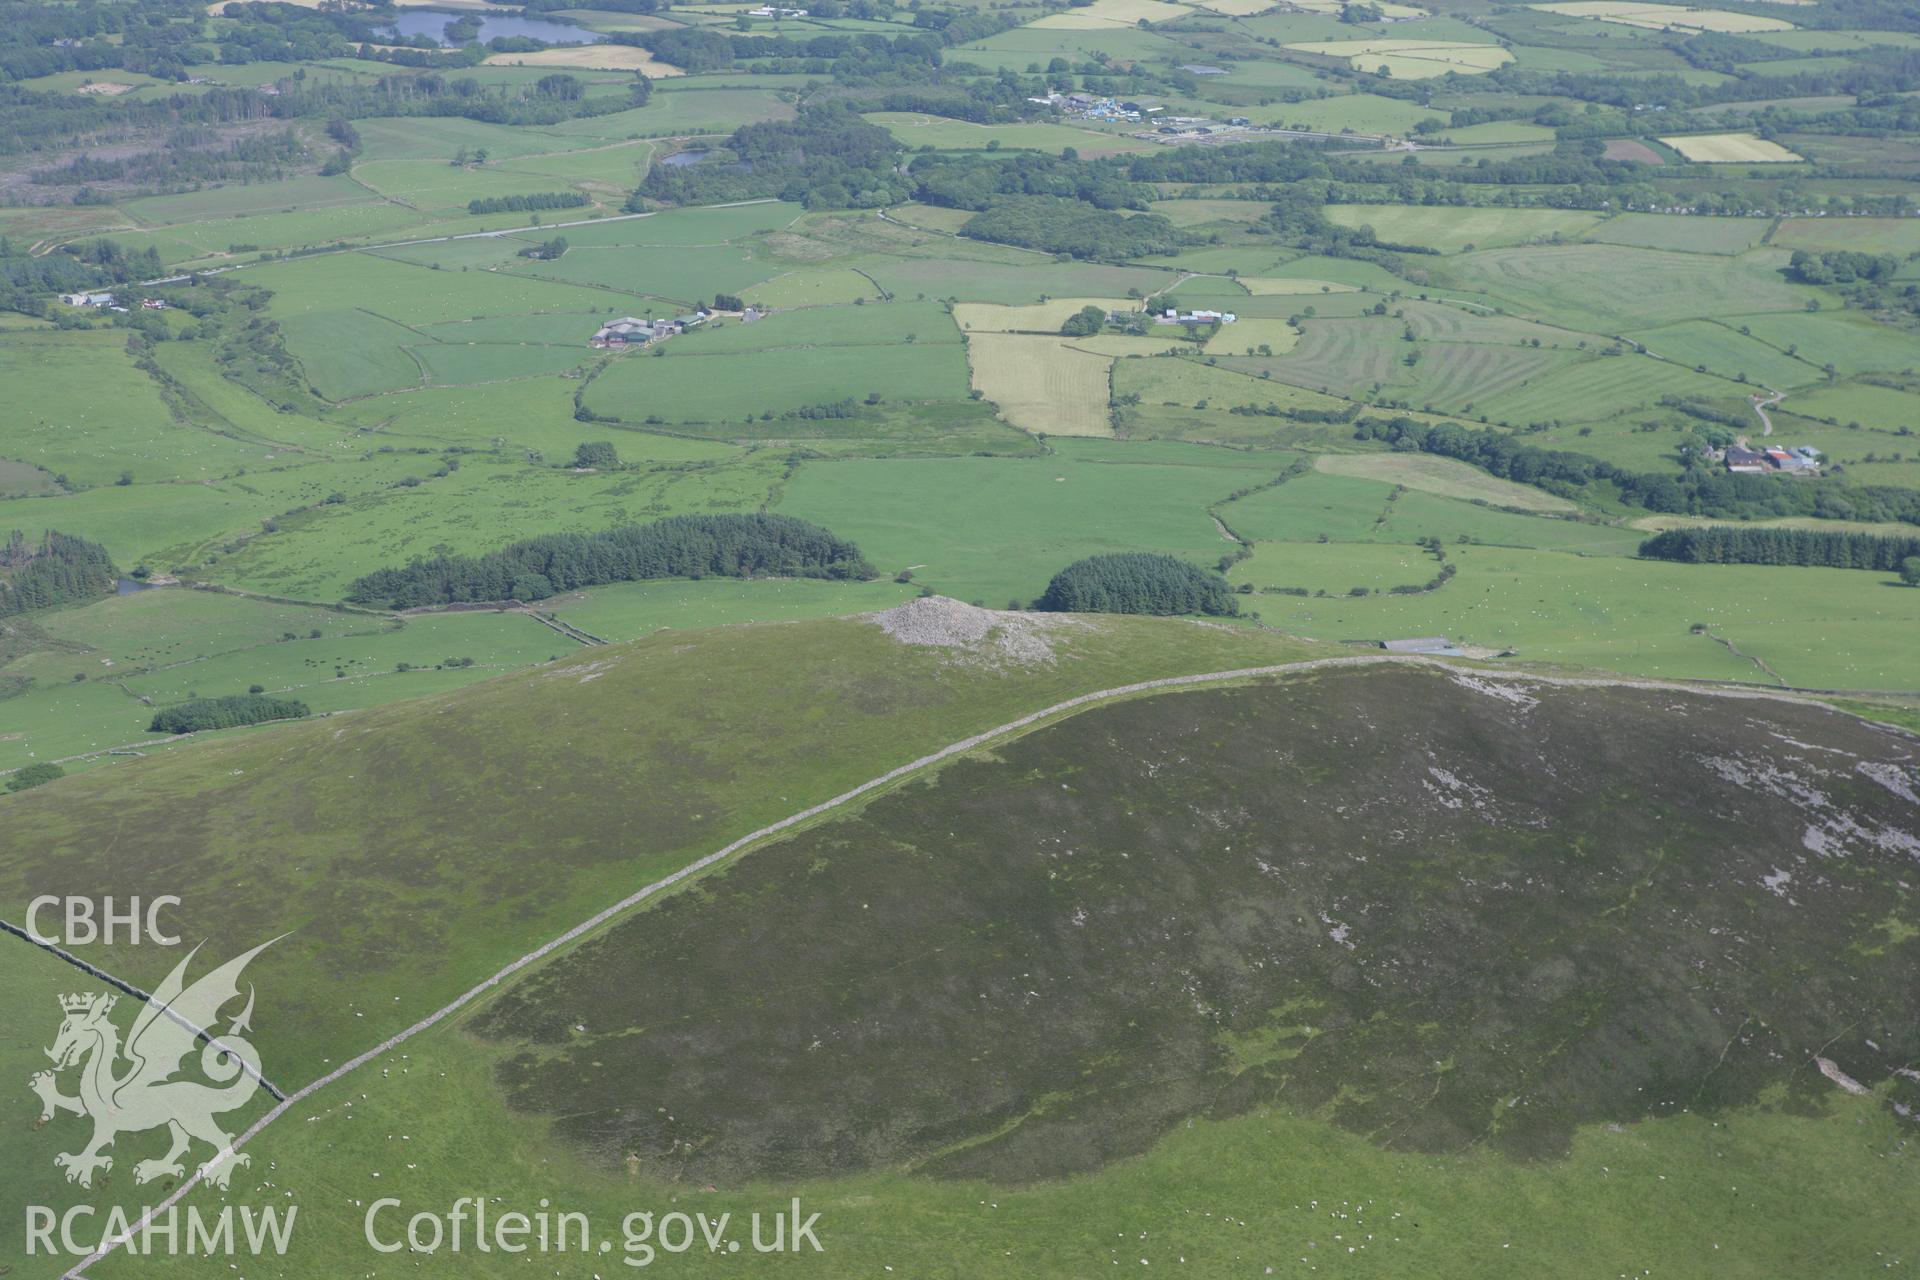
x,y
78,1270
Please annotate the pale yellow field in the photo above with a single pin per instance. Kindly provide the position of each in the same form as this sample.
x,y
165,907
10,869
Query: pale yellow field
x,y
589,57
1238,8
1334,7
1444,476
106,88
1659,17
1411,59
1112,13
1731,148
1888,529
1126,344
1264,285
1038,317
1042,384
1234,339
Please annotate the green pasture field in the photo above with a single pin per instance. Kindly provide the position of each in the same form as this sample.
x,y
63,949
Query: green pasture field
x,y
880,324
690,227
681,387
411,295
916,130
1609,287
613,169
1861,235
535,414
812,287
671,272
144,651
1193,213
439,188
1496,133
631,610
1819,628
681,112
1723,350
290,195
348,354
1028,279
496,362
1355,112
1014,49
81,408
997,529
487,503
1879,408
1681,233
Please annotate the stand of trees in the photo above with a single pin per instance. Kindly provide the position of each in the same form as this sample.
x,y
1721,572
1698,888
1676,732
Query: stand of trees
x,y
1722,544
724,546
226,713
827,157
58,569
1137,582
1057,224
528,204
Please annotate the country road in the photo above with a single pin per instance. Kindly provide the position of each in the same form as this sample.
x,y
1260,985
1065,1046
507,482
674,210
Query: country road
x,y
1761,405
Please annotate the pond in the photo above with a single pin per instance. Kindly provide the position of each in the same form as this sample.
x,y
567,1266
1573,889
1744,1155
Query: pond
x,y
127,586
432,24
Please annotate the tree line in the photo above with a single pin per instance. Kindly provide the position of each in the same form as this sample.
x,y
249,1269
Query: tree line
x,y
1723,544
1700,490
528,204
702,546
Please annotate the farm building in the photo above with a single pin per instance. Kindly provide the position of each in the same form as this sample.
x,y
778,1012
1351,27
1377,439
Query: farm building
x,y
1803,460
633,331
1745,461
1173,315
87,299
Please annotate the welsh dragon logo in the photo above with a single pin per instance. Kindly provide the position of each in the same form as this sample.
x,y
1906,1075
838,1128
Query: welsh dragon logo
x,y
140,1085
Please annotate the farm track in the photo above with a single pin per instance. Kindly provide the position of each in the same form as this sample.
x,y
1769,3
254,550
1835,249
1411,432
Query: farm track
x,y
874,785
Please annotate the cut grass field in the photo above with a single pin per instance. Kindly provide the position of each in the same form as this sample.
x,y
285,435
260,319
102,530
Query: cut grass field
x,y
1451,230
1442,476
1411,59
592,57
1045,385
1661,17
1730,148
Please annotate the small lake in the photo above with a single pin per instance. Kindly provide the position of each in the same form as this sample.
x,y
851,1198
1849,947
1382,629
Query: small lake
x,y
681,159
128,586
432,23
